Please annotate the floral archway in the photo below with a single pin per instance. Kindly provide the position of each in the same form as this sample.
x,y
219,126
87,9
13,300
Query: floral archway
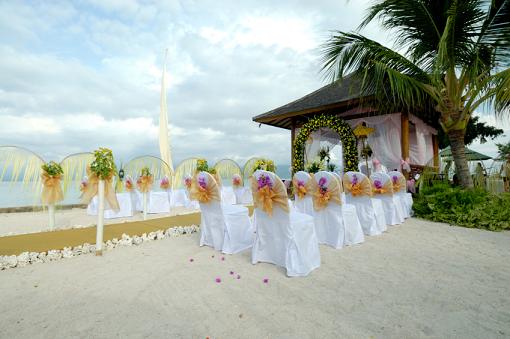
x,y
350,150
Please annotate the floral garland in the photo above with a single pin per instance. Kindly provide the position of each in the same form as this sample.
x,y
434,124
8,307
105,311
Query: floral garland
x,y
265,165
350,149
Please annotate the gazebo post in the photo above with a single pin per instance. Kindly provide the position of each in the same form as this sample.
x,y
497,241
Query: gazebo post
x,y
435,147
292,138
404,129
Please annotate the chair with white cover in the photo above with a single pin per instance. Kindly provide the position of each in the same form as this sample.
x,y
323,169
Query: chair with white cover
x,y
382,188
330,225
225,228
283,237
358,191
228,196
302,183
353,229
400,190
158,202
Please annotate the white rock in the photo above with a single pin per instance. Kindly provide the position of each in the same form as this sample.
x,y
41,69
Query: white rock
x,y
77,251
42,256
160,235
152,236
11,260
86,248
115,240
34,257
137,240
23,259
67,252
4,264
54,255
144,237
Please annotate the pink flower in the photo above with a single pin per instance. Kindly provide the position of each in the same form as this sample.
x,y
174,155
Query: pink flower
x,y
218,280
222,258
322,182
265,281
300,183
187,181
165,183
202,183
354,180
231,272
236,180
395,179
238,277
191,260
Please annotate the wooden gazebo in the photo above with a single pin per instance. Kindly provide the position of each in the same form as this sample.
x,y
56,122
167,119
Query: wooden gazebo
x,y
342,99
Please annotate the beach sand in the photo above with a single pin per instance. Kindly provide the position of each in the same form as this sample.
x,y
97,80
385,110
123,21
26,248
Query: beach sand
x,y
421,279
32,222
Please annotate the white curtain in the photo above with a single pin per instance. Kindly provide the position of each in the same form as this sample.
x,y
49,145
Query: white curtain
x,y
164,138
385,141
421,151
325,137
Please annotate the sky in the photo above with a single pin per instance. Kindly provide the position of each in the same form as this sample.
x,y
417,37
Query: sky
x,y
78,75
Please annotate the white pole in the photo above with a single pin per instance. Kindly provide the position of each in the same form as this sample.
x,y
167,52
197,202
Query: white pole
x,y
100,218
51,211
144,206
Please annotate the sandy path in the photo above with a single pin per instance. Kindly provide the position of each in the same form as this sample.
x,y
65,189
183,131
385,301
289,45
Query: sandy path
x,y
31,222
419,280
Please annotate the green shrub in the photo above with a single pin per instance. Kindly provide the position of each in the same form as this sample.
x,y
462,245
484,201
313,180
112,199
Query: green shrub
x,y
473,208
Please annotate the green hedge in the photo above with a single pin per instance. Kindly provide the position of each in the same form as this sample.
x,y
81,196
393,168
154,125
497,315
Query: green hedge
x,y
468,208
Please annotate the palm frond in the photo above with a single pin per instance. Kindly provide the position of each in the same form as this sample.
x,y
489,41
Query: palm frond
x,y
495,32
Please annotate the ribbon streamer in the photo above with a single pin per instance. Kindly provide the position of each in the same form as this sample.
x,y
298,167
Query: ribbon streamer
x,y
91,190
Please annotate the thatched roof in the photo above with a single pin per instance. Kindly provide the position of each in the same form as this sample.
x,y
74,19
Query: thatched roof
x,y
335,98
341,93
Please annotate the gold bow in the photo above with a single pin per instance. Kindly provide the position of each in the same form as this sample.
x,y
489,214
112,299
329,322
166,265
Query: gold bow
x,y
90,191
322,199
205,194
361,188
400,184
301,190
144,183
52,191
387,188
266,198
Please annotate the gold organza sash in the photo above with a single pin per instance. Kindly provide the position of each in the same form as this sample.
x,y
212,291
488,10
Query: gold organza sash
x,y
267,197
361,188
387,188
329,193
144,183
399,184
90,191
204,191
52,191
301,190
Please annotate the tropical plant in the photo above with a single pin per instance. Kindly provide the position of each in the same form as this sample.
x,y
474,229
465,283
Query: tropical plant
x,y
331,167
146,172
264,164
203,166
324,154
503,150
474,130
103,165
52,169
453,56
314,166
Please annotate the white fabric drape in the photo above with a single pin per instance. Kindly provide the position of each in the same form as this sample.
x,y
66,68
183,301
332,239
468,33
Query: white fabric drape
x,y
164,138
325,137
385,141
421,151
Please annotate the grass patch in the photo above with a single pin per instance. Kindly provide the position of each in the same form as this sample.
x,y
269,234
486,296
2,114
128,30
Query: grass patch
x,y
472,208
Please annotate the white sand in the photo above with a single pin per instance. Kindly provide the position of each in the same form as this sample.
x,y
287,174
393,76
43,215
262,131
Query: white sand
x,y
418,280
31,222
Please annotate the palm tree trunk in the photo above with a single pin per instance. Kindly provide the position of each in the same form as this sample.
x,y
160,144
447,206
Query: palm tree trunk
x,y
459,157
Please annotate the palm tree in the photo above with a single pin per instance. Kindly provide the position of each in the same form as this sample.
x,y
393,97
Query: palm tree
x,y
453,56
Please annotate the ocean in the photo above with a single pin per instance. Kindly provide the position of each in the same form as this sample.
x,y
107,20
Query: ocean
x,y
16,194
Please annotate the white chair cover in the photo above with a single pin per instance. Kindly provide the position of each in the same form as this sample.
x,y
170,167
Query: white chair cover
x,y
285,239
158,202
365,206
228,196
304,205
389,201
226,228
353,229
125,204
243,195
330,224
405,205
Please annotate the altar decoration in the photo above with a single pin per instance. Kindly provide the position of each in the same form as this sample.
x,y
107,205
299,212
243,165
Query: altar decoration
x,y
265,165
51,176
362,132
350,151
266,195
128,184
145,180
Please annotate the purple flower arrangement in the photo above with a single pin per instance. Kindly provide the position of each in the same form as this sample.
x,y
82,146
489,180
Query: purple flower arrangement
x,y
394,179
263,181
354,179
323,185
378,184
202,183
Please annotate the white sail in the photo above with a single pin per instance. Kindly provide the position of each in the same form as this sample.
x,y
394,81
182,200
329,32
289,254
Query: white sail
x,y
164,138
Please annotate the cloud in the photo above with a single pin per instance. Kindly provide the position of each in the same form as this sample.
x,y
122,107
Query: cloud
x,y
79,75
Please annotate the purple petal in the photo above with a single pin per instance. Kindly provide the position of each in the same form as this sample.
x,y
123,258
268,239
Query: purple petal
x,y
238,276
218,280
231,272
